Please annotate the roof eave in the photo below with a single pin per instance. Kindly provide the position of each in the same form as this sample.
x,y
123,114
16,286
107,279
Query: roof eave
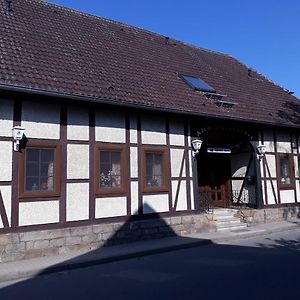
x,y
119,102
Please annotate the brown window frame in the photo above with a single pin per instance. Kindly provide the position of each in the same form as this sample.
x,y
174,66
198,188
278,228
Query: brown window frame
x,y
166,169
122,190
281,185
57,170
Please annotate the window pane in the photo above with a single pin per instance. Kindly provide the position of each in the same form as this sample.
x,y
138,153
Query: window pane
x,y
39,169
285,171
47,155
32,155
32,169
154,169
110,169
32,184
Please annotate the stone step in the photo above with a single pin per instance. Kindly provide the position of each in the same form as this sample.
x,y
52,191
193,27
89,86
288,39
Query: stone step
x,y
229,223
225,218
232,228
222,212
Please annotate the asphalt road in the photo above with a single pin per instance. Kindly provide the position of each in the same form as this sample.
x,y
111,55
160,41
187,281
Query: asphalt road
x,y
256,268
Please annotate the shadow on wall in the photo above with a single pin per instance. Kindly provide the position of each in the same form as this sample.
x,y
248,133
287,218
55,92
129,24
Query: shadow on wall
x,y
151,229
291,212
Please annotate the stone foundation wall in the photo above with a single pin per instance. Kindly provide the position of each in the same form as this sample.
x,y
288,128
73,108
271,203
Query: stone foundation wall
x,y
25,245
259,216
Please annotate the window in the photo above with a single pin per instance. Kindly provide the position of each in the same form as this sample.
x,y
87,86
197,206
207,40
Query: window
x,y
110,170
197,83
39,173
155,170
285,168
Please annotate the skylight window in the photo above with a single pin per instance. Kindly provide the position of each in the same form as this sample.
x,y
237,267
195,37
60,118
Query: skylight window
x,y
197,83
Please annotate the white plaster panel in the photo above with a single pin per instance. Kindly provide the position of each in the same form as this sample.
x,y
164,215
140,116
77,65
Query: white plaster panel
x,y
77,201
287,196
176,133
78,124
283,142
6,195
78,162
155,203
133,162
41,120
182,196
34,213
1,223
176,160
271,198
269,140
110,127
6,117
153,130
236,185
5,161
133,129
192,195
298,190
271,160
111,207
134,198
296,166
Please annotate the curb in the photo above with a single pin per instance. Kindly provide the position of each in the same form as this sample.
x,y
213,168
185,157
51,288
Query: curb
x,y
65,266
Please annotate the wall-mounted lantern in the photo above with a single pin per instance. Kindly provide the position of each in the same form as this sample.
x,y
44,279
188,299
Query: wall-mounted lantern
x,y
196,144
261,151
17,134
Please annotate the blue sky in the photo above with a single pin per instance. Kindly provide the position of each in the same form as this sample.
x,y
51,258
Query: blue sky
x,y
264,34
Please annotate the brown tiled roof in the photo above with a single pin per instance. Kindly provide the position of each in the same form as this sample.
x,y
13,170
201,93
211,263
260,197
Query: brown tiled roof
x,y
50,48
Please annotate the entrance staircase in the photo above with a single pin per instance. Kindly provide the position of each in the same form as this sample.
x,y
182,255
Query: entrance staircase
x,y
226,220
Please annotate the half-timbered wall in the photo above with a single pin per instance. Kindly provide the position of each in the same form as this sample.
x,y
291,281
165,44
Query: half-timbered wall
x,y
79,129
279,142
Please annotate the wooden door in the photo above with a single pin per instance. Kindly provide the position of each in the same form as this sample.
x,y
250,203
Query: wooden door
x,y
214,179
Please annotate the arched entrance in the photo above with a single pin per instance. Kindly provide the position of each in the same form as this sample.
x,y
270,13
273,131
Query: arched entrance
x,y
226,169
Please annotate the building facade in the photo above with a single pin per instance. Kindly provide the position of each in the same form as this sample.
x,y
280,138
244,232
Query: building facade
x,y
108,157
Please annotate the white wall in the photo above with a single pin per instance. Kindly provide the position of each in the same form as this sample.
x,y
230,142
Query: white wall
x,y
77,201
155,203
153,130
176,161
78,161
41,120
111,207
176,133
6,117
43,212
134,197
78,123
283,142
110,126
5,161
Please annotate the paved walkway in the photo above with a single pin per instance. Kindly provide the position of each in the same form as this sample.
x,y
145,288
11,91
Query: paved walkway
x,y
51,264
